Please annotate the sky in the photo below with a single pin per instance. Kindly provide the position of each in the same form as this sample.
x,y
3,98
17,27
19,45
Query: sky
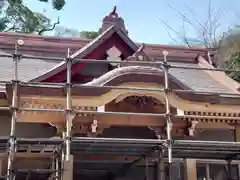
x,y
143,18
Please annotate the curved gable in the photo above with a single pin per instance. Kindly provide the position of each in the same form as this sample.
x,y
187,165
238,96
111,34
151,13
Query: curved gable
x,y
95,49
137,74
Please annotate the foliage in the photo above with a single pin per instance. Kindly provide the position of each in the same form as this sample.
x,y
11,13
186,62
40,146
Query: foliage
x,y
209,34
66,32
70,32
57,4
16,17
89,34
234,64
228,52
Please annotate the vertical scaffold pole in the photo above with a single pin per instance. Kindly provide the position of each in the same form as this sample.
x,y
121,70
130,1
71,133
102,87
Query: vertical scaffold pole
x,y
68,107
12,140
168,113
160,162
146,168
56,166
63,147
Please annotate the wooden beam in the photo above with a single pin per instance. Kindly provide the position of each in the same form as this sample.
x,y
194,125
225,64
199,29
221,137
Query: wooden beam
x,y
68,169
190,169
92,157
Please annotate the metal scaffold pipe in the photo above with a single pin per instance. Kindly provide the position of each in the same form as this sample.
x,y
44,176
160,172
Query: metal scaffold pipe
x,y
118,140
16,58
69,106
112,113
168,112
154,62
56,166
61,85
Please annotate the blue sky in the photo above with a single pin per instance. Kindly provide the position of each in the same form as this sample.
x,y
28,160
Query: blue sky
x,y
141,17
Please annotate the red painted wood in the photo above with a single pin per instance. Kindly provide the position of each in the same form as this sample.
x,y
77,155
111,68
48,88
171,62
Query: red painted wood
x,y
98,53
61,76
79,78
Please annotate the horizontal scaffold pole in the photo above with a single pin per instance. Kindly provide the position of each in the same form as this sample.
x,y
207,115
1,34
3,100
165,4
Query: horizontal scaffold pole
x,y
112,113
160,63
58,141
62,85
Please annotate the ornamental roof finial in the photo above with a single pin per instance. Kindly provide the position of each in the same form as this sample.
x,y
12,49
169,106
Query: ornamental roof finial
x,y
113,19
114,10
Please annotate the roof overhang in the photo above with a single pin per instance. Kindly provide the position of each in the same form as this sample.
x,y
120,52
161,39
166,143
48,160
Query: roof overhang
x,y
100,91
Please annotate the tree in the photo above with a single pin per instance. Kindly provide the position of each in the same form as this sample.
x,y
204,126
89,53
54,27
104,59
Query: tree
x,y
234,63
209,34
16,17
89,34
228,53
66,32
57,4
70,32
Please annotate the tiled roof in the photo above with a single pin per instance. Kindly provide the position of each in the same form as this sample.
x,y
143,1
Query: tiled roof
x,y
31,68
197,80
57,47
28,68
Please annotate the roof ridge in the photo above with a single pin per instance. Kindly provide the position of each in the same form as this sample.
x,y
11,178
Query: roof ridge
x,y
76,39
92,42
36,36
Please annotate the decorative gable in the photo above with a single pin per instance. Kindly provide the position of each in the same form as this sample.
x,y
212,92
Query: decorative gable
x,y
111,44
114,54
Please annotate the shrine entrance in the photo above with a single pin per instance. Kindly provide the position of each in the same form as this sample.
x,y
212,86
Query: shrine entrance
x,y
128,146
116,158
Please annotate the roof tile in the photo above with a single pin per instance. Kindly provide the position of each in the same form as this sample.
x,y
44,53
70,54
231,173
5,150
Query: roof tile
x,y
197,80
30,68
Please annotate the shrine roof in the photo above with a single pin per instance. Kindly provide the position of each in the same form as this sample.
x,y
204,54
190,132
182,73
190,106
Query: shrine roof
x,y
57,46
44,48
196,79
32,68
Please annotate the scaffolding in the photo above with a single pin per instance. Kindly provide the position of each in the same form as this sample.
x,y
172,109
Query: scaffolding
x,y
64,146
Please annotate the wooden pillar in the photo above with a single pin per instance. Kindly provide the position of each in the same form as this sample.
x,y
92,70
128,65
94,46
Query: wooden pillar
x,y
160,155
3,164
68,169
237,139
238,169
237,133
160,166
1,167
229,175
190,169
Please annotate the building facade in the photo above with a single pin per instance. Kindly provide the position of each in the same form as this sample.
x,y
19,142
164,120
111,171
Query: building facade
x,y
116,92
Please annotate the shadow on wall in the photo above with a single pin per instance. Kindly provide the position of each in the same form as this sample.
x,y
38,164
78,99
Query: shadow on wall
x,y
129,132
27,130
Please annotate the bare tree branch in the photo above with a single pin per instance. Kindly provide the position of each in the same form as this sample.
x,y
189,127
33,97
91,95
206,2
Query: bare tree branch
x,y
49,29
180,36
207,31
9,29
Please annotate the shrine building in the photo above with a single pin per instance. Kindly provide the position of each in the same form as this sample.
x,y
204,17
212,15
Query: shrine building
x,y
111,108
